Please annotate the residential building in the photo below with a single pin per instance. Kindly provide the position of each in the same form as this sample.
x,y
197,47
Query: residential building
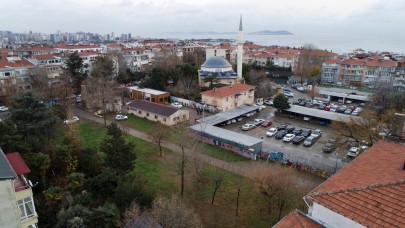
x,y
164,114
379,71
15,73
136,58
399,77
330,71
229,97
29,51
352,71
17,207
50,64
368,192
77,48
151,95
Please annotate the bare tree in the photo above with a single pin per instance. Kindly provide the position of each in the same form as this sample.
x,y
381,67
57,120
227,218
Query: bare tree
x,y
173,212
135,217
187,87
158,134
308,63
217,183
11,86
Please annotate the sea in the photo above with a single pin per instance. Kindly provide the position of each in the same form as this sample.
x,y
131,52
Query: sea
x,y
341,44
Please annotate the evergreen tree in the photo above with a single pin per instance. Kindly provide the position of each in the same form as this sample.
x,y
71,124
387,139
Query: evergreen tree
x,y
281,102
77,69
120,155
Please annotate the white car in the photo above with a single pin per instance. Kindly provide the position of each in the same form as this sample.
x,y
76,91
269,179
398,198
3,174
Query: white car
x,y
71,120
247,127
353,152
258,122
121,117
3,109
271,132
288,137
288,94
177,105
268,102
316,133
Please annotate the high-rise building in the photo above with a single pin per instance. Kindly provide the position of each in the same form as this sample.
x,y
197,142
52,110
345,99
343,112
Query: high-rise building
x,y
240,50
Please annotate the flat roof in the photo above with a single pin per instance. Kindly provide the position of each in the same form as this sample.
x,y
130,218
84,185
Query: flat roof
x,y
346,93
321,113
146,90
228,115
226,134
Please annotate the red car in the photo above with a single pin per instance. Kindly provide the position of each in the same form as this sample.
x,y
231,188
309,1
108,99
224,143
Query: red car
x,y
267,123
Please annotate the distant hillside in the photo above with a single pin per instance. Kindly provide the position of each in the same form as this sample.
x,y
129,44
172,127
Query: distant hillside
x,y
268,32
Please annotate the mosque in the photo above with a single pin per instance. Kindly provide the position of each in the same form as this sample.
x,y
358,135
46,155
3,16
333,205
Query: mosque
x,y
218,70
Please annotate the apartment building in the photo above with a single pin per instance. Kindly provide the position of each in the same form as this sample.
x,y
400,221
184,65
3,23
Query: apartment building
x,y
15,73
17,207
136,58
330,71
399,77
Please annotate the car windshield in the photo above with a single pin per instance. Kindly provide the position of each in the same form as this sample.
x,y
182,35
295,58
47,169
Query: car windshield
x,y
315,132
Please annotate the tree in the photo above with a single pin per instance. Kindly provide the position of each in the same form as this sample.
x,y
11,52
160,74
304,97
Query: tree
x,y
308,63
120,155
33,121
281,102
89,162
217,184
39,163
158,134
184,142
173,212
77,69
103,186
74,217
106,216
264,89
100,86
135,217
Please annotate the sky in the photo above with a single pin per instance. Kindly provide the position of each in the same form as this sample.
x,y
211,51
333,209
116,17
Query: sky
x,y
157,17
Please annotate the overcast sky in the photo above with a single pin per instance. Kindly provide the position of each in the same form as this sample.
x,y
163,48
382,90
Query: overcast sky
x,y
157,17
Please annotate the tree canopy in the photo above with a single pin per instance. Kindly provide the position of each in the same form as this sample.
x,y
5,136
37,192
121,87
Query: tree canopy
x,y
281,102
77,69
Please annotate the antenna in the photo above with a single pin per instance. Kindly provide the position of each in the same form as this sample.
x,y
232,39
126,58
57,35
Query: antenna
x,y
30,183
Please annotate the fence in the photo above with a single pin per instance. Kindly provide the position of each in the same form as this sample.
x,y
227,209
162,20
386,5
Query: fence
x,y
302,164
193,104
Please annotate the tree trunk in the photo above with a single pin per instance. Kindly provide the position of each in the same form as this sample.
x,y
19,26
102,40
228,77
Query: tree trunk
x,y
183,164
218,182
237,201
160,149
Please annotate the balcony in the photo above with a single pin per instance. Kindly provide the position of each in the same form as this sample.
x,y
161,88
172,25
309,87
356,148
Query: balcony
x,y
20,183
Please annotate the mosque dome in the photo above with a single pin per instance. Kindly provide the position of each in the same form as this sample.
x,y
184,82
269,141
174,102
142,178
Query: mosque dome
x,y
216,62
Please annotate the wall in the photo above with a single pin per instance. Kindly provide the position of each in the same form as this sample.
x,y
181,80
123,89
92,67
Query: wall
x,y
162,99
9,212
228,103
332,218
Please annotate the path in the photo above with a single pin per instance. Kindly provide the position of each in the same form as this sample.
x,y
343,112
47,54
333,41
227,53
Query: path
x,y
240,168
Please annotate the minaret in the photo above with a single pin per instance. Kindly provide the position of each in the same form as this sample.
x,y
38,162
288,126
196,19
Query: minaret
x,y
240,50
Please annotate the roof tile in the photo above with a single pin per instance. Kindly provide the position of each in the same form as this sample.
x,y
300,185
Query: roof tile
x,y
228,90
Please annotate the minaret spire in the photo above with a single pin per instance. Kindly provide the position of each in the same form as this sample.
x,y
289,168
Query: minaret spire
x,y
240,50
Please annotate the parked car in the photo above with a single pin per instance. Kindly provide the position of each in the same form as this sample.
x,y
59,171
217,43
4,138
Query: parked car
x,y
258,122
353,152
327,108
280,134
302,102
309,141
281,126
340,100
306,133
301,89
290,129
271,132
332,110
298,139
267,123
288,94
321,107
335,106
268,102
297,131
329,147
121,117
316,133
71,120
177,105
309,104
349,101
348,111
288,137
355,113
3,108
247,127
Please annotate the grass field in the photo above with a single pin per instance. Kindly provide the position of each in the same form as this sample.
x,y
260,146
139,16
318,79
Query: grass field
x,y
163,179
134,122
222,154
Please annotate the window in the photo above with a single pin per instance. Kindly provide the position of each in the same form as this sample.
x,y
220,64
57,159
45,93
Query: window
x,y
139,112
156,117
147,114
27,208
164,119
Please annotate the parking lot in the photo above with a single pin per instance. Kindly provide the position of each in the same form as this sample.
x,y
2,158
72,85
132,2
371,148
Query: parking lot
x,y
314,152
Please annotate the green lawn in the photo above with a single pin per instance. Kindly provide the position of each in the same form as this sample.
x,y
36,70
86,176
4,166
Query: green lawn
x,y
222,154
134,122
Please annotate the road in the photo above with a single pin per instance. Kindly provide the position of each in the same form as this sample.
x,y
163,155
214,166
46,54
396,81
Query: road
x,y
239,168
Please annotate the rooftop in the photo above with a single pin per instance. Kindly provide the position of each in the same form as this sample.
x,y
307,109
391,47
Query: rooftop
x,y
297,219
216,62
370,190
146,90
17,163
228,90
228,115
6,170
320,113
160,109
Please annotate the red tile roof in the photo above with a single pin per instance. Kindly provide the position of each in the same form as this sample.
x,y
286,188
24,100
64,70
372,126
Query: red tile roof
x,y
228,90
62,46
17,163
4,63
381,63
297,219
354,62
370,190
332,61
88,53
35,48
